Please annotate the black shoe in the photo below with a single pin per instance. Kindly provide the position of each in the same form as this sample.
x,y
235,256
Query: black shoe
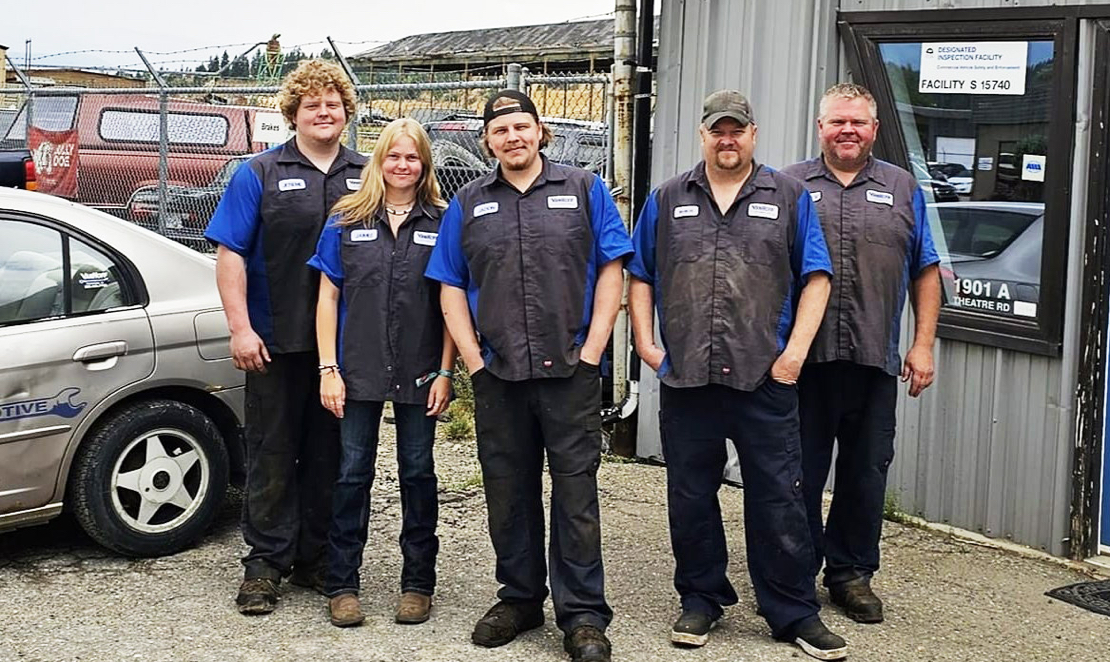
x,y
313,578
692,629
504,621
815,639
257,596
858,600
586,643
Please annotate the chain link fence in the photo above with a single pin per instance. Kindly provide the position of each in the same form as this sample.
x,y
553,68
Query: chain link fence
x,y
161,157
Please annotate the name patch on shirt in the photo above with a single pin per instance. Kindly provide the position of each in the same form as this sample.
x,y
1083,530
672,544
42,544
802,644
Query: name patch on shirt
x,y
364,235
486,208
815,196
562,202
425,238
353,184
763,210
882,197
686,211
290,184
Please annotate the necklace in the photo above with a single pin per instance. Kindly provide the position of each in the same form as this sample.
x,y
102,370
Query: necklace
x,y
396,211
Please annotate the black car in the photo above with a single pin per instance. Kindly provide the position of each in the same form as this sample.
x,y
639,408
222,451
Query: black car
x,y
188,209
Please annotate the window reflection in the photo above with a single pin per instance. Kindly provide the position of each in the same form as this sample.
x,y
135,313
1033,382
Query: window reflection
x,y
980,157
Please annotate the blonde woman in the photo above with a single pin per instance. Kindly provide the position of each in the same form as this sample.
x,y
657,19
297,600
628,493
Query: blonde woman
x,y
381,337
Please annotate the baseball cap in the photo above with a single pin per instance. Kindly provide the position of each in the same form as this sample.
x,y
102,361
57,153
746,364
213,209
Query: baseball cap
x,y
505,102
726,103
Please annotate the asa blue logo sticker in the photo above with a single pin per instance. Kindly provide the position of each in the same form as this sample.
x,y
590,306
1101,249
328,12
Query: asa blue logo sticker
x,y
59,405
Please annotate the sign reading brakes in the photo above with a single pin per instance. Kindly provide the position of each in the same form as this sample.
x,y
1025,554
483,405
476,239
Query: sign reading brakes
x,y
60,405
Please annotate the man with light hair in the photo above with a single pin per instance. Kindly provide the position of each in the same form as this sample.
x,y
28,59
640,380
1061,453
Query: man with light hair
x,y
265,229
529,257
731,255
873,215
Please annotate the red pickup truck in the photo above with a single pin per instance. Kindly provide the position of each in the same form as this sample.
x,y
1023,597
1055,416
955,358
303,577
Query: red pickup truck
x,y
97,149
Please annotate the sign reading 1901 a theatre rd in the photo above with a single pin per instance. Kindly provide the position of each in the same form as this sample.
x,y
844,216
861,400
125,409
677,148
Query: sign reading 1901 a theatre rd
x,y
973,67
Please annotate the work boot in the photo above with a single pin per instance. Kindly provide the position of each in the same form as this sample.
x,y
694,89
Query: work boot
x,y
586,643
257,596
814,638
504,621
413,608
345,611
858,601
692,629
312,577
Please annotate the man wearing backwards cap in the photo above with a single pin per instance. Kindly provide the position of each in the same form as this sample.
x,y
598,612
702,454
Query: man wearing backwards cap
x,y
732,256
530,259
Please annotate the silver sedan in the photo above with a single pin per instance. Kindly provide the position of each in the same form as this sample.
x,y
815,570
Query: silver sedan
x,y
118,398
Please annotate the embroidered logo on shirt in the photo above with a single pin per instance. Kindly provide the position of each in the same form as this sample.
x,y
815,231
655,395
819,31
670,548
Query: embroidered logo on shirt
x,y
815,196
425,238
291,184
686,210
353,184
763,210
364,235
562,202
882,197
486,208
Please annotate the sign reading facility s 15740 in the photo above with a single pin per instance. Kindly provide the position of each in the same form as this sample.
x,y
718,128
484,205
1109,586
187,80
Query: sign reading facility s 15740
x,y
973,67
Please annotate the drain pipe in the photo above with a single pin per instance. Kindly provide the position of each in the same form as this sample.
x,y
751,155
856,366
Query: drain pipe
x,y
624,46
629,148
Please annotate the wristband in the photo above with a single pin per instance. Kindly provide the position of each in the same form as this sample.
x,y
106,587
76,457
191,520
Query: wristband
x,y
328,368
432,375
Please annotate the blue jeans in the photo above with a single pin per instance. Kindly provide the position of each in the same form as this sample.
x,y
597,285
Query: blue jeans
x,y
351,500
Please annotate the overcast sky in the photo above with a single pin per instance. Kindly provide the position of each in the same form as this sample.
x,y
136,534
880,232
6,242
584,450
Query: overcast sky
x,y
105,32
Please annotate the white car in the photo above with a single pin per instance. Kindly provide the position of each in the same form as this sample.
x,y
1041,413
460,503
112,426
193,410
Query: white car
x,y
118,397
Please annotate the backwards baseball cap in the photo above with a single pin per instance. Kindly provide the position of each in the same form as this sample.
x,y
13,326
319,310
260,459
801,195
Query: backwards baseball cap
x,y
726,103
506,102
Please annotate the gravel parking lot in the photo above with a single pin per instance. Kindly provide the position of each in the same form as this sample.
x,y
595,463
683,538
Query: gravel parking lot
x,y
64,598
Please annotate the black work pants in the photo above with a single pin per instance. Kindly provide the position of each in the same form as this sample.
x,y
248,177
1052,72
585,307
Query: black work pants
x,y
853,406
763,426
516,423
292,456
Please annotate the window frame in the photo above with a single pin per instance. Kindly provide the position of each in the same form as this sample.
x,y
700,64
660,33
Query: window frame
x,y
861,34
133,289
172,143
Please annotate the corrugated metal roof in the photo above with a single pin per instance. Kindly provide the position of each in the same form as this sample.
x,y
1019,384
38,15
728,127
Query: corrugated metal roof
x,y
577,40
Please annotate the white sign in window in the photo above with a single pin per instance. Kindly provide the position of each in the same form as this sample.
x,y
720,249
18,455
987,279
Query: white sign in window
x,y
973,67
270,128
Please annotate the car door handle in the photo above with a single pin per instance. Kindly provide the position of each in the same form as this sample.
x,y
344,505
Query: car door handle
x,y
100,351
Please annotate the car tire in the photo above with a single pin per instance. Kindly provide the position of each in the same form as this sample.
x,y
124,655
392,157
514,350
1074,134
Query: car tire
x,y
150,478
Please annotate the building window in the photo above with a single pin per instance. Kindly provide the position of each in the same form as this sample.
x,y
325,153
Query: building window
x,y
981,114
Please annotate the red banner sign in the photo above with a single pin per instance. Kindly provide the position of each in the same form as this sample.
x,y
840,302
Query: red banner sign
x,y
55,154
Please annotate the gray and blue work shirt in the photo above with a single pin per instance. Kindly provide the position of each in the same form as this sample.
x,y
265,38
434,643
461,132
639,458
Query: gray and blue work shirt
x,y
272,214
390,328
529,264
726,286
879,239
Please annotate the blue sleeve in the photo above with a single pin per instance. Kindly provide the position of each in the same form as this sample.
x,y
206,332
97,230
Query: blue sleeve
x,y
327,259
611,240
810,253
236,220
642,264
447,263
924,252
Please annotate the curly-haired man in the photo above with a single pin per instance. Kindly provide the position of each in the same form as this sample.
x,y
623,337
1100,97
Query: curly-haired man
x,y
265,230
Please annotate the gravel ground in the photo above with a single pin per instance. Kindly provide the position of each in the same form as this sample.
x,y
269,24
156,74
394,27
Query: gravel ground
x,y
64,598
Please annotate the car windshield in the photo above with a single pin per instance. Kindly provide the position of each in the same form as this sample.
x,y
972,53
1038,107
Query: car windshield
x,y
982,232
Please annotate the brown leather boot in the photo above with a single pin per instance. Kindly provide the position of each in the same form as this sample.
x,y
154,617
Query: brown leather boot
x,y
413,608
345,610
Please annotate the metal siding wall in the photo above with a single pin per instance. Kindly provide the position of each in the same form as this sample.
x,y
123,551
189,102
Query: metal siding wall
x,y
989,447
